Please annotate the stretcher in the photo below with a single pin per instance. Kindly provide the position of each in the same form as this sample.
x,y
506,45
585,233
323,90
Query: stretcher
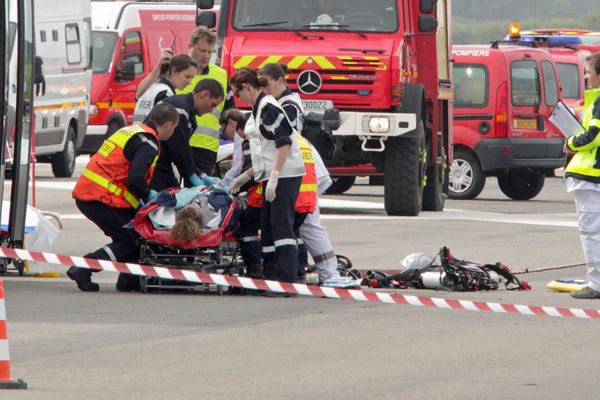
x,y
215,251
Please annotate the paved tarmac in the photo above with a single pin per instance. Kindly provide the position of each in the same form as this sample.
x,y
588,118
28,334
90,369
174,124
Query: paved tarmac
x,y
109,345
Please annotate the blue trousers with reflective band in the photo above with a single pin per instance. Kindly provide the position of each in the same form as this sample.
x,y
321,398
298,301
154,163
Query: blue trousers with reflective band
x,y
111,221
250,248
280,251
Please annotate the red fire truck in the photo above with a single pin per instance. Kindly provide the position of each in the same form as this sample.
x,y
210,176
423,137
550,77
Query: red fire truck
x,y
384,64
128,37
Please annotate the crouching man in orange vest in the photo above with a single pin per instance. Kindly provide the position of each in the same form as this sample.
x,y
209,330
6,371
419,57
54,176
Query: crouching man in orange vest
x,y
114,184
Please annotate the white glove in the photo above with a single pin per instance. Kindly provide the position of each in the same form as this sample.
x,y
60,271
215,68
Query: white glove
x,y
238,182
272,186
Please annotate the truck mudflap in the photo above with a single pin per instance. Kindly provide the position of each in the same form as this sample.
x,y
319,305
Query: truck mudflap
x,y
375,127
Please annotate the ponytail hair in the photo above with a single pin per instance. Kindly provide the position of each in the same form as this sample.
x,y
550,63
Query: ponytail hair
x,y
274,71
248,76
179,63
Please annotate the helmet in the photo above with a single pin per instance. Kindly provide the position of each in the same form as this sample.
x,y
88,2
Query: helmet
x,y
416,261
411,267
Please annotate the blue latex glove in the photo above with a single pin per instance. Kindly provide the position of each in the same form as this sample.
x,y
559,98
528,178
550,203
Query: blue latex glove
x,y
225,189
151,196
210,180
195,181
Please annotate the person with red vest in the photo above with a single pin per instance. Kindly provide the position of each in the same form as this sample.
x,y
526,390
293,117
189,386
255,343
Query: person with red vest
x,y
234,122
114,184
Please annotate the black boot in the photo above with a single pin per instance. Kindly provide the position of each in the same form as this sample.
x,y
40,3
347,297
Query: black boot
x,y
83,278
255,272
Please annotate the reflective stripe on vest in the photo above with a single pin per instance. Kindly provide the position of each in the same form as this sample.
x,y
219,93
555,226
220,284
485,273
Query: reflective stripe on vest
x,y
206,135
105,177
111,187
307,197
583,164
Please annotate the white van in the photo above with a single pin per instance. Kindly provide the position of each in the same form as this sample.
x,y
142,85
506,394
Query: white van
x,y
61,100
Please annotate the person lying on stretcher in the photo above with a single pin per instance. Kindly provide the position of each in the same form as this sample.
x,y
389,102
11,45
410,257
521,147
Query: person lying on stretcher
x,y
190,212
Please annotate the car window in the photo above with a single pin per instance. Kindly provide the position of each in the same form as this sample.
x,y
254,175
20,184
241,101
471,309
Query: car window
x,y
103,47
470,85
525,83
568,73
132,51
550,84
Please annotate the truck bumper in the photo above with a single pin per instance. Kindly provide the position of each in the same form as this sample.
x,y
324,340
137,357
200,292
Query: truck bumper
x,y
375,124
96,130
496,154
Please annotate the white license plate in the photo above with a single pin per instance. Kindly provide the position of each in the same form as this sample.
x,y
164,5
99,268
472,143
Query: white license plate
x,y
317,105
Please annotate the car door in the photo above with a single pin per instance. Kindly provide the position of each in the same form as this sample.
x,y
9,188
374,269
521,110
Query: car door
x,y
528,127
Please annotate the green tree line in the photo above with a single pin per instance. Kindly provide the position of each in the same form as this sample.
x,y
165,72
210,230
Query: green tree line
x,y
482,21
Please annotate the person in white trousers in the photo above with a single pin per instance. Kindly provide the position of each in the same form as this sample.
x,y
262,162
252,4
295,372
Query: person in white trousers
x,y
583,179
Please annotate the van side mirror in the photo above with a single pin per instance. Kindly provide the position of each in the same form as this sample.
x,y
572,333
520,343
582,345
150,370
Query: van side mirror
x,y
205,4
427,6
126,72
207,19
38,76
427,23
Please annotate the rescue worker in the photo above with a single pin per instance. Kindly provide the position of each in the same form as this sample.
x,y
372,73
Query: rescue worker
x,y
583,179
166,55
277,163
207,94
205,139
312,236
179,73
235,122
114,184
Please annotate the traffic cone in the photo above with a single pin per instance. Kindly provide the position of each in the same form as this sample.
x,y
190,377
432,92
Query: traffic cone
x,y
5,380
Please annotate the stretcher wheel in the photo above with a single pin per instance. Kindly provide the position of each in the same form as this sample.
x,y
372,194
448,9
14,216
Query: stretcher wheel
x,y
20,266
3,265
144,284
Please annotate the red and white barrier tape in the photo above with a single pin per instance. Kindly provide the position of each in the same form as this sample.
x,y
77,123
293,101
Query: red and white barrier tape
x,y
295,288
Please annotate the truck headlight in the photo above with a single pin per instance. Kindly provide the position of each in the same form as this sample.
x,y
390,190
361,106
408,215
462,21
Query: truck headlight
x,y
93,109
379,124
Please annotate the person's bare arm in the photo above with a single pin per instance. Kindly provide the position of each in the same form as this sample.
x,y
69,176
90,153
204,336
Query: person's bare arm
x,y
165,57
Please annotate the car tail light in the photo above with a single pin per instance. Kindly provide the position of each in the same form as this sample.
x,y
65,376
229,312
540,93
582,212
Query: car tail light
x,y
501,121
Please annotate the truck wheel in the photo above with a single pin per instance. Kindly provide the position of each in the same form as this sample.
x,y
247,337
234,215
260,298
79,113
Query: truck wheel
x,y
405,161
433,192
113,126
340,184
375,180
521,185
466,177
63,163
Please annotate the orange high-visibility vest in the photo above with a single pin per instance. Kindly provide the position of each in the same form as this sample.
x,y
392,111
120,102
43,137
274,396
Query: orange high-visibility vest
x,y
105,176
307,197
255,196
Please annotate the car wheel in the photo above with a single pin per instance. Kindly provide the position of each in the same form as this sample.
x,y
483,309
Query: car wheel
x,y
466,177
521,185
63,163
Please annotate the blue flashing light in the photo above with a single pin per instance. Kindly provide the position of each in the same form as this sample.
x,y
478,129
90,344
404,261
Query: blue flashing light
x,y
564,40
559,40
364,92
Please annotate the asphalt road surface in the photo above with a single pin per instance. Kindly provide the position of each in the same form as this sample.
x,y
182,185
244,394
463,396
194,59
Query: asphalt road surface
x,y
71,345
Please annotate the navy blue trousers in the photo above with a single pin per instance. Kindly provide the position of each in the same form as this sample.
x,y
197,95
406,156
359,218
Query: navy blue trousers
x,y
280,251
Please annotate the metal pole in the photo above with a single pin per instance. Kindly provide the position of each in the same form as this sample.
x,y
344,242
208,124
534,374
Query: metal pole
x,y
4,67
23,115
